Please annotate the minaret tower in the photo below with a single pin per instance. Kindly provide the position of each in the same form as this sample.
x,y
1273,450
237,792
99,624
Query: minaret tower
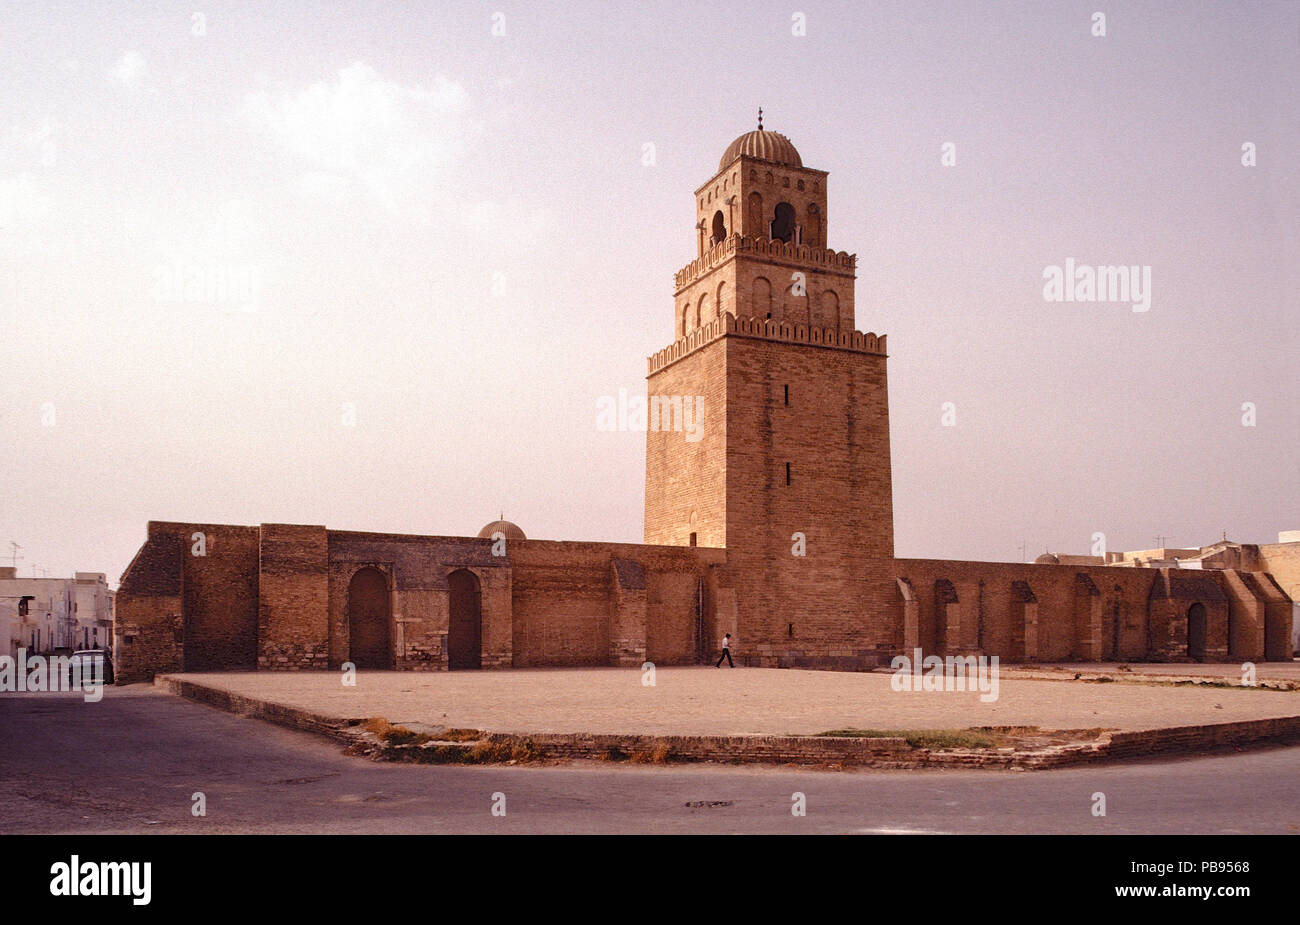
x,y
786,462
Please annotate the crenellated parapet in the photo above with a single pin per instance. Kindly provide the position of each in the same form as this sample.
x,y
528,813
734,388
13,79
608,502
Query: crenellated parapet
x,y
795,254
729,324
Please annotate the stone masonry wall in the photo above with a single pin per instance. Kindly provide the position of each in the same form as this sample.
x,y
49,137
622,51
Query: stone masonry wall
x,y
417,568
1282,561
572,603
685,486
293,597
807,461
148,622
221,596
976,607
569,610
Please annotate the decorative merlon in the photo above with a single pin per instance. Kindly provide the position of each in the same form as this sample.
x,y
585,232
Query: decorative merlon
x,y
767,248
764,329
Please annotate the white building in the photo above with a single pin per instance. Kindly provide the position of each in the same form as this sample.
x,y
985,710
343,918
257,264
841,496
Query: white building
x,y
63,613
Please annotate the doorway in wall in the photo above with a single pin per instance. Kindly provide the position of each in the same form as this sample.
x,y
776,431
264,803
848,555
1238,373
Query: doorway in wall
x,y
1196,631
465,621
370,620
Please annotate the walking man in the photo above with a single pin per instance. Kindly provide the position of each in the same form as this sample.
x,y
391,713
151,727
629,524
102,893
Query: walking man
x,y
726,652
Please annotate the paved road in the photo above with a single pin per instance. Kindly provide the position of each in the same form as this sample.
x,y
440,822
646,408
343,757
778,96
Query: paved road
x,y
132,762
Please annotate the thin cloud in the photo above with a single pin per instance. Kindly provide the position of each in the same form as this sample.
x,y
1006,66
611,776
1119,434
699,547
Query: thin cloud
x,y
130,70
362,134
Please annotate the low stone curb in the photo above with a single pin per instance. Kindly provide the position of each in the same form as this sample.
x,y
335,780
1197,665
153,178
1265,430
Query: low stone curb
x,y
1027,672
277,713
820,751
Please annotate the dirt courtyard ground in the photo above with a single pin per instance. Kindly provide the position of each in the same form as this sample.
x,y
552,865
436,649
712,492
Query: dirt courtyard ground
x,y
708,701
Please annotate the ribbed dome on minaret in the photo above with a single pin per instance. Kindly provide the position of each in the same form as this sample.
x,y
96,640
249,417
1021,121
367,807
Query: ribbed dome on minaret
x,y
764,145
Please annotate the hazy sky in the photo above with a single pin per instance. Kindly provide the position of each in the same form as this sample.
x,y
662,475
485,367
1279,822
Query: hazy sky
x,y
451,236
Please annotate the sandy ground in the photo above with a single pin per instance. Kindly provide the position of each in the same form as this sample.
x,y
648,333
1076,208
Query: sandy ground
x,y
708,701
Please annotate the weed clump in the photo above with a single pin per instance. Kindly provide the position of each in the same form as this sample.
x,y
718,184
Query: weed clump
x,y
394,735
920,738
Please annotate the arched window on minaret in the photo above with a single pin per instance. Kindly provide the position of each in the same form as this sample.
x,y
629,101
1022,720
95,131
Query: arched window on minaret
x,y
719,228
783,222
813,232
702,310
754,216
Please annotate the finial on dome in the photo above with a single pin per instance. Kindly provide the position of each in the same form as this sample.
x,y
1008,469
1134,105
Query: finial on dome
x,y
760,118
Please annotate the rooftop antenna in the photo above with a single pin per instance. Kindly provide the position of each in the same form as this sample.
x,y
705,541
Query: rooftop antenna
x,y
13,555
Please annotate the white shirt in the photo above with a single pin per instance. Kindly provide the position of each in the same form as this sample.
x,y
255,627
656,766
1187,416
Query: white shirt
x,y
726,642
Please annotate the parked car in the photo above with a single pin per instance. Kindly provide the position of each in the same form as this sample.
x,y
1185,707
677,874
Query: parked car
x,y
92,657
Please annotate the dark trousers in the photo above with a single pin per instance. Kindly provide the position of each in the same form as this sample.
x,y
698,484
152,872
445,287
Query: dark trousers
x,y
726,653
